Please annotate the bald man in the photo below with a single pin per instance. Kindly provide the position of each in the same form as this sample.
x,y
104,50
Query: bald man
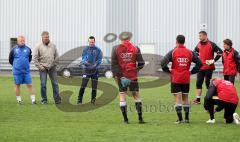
x,y
20,58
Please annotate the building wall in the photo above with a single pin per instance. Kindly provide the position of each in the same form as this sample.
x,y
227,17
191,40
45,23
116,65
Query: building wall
x,y
152,22
69,22
160,21
228,19
122,15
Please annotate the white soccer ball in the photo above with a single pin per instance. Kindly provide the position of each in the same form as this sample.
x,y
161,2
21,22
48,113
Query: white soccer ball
x,y
108,74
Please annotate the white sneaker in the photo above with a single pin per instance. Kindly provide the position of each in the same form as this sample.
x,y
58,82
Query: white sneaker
x,y
34,102
179,122
20,102
211,121
236,118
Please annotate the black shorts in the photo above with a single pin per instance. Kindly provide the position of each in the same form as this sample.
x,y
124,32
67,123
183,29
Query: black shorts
x,y
134,87
180,88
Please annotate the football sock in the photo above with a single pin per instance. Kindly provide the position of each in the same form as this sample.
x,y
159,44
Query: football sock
x,y
186,109
123,107
178,109
19,98
198,98
32,97
138,105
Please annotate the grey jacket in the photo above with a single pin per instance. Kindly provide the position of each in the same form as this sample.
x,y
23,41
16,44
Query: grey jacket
x,y
46,55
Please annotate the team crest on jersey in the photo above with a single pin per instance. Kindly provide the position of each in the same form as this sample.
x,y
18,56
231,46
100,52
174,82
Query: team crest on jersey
x,y
126,56
183,61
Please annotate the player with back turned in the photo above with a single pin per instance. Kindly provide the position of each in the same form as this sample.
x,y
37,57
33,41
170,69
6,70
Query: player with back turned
x,y
181,59
127,60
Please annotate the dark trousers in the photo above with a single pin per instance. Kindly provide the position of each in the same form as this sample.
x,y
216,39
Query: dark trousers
x,y
53,77
229,109
230,78
85,79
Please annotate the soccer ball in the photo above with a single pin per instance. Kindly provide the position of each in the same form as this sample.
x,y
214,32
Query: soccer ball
x,y
108,74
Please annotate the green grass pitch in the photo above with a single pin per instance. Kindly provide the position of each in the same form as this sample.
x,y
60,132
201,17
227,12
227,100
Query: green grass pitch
x,y
46,123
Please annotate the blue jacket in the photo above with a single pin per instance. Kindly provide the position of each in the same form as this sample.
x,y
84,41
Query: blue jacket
x,y
91,57
20,58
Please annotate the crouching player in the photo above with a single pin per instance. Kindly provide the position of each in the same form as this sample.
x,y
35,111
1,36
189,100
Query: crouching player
x,y
20,58
181,59
126,61
223,94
